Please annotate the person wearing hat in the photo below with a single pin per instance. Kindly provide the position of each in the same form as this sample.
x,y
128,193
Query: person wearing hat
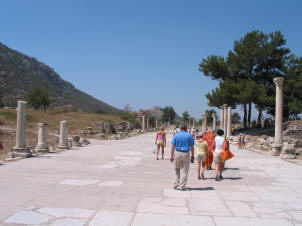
x,y
182,144
201,154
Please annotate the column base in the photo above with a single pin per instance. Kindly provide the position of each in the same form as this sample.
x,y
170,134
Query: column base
x,y
276,149
21,152
63,146
42,149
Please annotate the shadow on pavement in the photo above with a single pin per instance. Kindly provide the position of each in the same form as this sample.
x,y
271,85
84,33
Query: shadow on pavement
x,y
231,169
201,189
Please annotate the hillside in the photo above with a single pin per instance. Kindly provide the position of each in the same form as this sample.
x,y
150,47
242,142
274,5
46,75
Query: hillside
x,y
19,74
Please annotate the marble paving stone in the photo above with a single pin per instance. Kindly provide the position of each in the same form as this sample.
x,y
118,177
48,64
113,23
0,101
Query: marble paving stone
x,y
297,215
209,207
111,183
213,195
276,216
240,221
177,194
128,162
157,205
267,210
170,220
131,153
277,197
27,217
65,212
296,205
68,222
240,188
275,205
240,209
127,158
110,165
257,189
238,196
174,202
78,182
114,218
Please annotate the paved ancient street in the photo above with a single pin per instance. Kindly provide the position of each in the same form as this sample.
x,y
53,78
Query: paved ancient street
x,y
121,183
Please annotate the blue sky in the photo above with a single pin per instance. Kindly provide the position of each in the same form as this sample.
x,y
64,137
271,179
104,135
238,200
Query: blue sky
x,y
137,52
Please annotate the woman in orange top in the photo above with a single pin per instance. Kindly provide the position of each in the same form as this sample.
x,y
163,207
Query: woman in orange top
x,y
209,137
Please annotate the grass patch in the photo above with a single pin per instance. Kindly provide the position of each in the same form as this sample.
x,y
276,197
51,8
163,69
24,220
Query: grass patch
x,y
9,115
30,118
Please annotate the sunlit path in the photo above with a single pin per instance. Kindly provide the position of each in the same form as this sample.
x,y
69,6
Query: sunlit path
x,y
121,183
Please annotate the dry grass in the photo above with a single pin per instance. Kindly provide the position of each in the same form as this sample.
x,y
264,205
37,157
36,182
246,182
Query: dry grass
x,y
77,122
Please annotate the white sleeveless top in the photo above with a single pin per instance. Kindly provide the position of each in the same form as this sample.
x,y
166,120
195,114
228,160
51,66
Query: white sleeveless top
x,y
219,144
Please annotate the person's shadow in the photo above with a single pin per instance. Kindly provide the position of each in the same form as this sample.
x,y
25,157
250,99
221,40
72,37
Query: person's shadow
x,y
201,189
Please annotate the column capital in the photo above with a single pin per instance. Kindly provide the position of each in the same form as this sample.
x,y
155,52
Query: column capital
x,y
213,115
279,81
225,106
221,107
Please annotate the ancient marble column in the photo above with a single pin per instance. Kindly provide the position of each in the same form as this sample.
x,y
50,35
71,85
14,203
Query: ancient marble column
x,y
63,143
147,123
143,123
221,117
204,126
42,137
214,121
194,123
225,118
278,116
229,124
20,148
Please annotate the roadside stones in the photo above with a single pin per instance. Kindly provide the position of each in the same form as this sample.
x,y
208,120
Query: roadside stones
x,y
20,149
76,140
63,143
42,137
90,131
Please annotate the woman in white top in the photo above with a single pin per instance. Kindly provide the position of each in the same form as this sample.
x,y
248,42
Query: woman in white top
x,y
218,142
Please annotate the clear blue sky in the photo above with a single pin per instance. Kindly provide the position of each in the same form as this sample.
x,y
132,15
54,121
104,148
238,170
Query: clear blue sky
x,y
142,53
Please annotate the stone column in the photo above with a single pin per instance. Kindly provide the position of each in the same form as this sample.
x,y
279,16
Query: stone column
x,y
42,137
225,118
194,123
147,123
214,121
221,117
63,143
20,148
278,116
229,124
143,123
204,126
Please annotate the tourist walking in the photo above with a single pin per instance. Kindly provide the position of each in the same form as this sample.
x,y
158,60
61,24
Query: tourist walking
x,y
210,137
182,144
160,141
201,154
218,143
176,130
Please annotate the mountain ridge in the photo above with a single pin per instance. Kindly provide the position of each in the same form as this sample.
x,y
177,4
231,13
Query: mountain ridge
x,y
19,74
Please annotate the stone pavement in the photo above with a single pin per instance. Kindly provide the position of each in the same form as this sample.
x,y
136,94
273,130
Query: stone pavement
x,y
121,183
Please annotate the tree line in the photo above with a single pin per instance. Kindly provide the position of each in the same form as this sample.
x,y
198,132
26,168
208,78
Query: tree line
x,y
246,75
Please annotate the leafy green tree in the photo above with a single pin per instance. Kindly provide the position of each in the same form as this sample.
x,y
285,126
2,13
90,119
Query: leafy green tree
x,y
185,116
1,99
236,118
246,75
38,98
168,114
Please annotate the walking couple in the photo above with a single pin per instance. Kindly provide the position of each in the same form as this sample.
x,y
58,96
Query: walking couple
x,y
183,143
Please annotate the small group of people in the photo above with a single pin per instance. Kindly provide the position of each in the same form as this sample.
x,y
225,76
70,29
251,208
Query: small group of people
x,y
209,148
241,141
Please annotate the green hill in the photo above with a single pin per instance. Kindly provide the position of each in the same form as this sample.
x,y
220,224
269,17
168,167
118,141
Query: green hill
x,y
19,74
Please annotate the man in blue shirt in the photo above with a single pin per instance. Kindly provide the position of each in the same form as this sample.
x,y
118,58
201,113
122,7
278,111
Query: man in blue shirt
x,y
182,144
